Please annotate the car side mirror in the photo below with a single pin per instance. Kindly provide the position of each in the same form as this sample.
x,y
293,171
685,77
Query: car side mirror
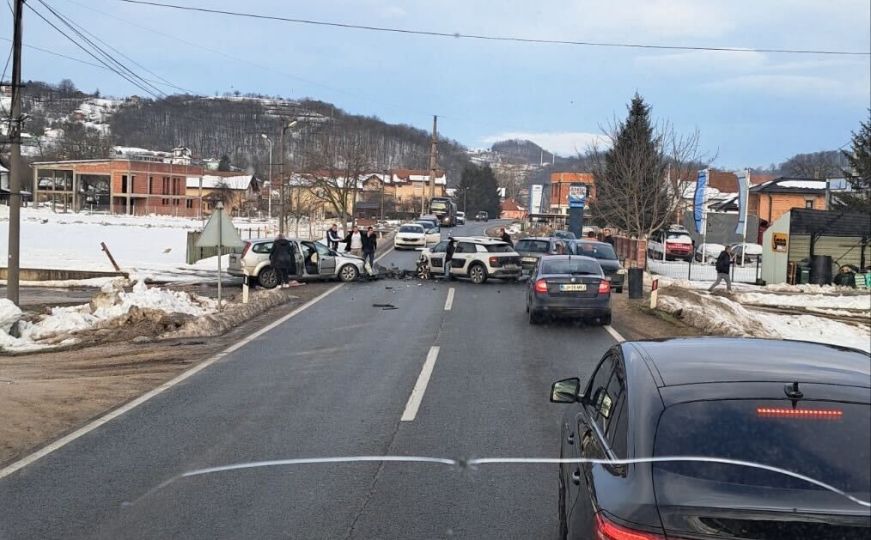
x,y
566,391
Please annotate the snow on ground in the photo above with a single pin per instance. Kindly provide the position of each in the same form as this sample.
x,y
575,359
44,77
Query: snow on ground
x,y
56,327
718,315
836,301
153,246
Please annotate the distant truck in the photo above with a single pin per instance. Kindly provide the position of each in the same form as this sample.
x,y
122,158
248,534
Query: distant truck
x,y
445,209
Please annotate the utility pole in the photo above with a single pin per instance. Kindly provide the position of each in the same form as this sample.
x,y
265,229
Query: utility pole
x,y
15,168
433,158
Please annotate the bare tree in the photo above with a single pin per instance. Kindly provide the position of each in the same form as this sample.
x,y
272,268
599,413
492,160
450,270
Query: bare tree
x,y
814,165
336,169
642,177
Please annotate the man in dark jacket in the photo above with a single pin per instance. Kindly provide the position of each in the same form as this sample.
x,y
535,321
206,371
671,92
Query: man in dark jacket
x,y
449,256
370,244
333,237
607,237
724,264
506,237
283,260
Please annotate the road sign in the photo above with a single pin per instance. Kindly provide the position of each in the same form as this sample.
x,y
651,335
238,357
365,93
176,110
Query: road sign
x,y
219,231
577,195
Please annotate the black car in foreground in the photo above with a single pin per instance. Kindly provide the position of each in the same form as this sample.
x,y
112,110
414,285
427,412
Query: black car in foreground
x,y
568,286
604,253
802,407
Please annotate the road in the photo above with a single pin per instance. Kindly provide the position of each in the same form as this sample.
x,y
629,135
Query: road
x,y
335,380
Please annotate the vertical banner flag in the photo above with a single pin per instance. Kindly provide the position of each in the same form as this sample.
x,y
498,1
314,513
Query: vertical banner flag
x,y
699,205
743,191
535,199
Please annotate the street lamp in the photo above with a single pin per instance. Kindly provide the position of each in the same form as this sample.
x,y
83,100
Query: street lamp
x,y
283,216
269,141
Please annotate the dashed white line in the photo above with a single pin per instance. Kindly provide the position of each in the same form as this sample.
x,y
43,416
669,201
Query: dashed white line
x,y
416,396
449,302
615,334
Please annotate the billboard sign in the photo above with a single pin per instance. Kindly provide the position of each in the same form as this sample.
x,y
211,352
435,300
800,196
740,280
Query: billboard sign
x,y
577,195
535,198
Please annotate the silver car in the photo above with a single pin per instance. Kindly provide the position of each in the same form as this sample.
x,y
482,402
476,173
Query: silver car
x,y
314,261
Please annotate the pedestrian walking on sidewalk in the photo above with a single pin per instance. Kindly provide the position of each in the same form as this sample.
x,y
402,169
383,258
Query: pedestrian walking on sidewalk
x,y
506,237
283,260
724,264
370,244
449,256
354,242
333,237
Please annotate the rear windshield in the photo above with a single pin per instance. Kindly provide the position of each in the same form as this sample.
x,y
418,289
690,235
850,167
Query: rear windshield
x,y
570,266
598,251
438,206
835,449
499,248
533,246
411,229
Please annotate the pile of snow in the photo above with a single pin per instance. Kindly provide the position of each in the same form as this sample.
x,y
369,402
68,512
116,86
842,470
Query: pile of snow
x,y
717,315
807,288
840,301
57,327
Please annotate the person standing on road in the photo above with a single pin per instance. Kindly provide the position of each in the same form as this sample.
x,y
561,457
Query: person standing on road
x,y
724,264
506,237
354,242
449,256
370,244
608,238
283,260
333,237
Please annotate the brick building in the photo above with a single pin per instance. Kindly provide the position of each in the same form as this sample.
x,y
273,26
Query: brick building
x,y
120,185
772,199
559,189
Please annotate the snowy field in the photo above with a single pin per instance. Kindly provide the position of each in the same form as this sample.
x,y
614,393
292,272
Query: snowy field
x,y
152,247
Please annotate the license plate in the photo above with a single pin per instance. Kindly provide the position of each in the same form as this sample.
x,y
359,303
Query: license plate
x,y
528,259
573,287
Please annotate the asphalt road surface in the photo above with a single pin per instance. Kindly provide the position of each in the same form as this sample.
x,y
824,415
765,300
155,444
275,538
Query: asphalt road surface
x,y
335,380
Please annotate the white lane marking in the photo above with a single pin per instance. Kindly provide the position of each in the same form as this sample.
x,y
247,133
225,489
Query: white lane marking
x,y
84,430
615,334
449,303
416,396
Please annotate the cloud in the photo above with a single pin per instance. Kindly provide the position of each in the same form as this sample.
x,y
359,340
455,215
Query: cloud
x,y
793,85
563,143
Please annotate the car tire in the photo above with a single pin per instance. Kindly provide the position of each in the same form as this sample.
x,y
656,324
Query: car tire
x,y
477,273
561,506
349,273
606,320
268,278
534,317
619,290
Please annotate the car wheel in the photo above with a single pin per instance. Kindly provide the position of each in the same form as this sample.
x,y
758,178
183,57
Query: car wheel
x,y
268,278
619,290
478,274
534,317
349,272
606,320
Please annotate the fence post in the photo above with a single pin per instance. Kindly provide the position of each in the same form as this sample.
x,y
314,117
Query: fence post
x,y
690,269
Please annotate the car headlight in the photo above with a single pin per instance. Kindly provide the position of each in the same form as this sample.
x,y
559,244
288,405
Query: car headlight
x,y
621,271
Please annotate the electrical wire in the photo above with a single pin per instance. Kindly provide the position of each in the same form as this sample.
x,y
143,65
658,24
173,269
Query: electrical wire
x,y
126,77
484,37
154,90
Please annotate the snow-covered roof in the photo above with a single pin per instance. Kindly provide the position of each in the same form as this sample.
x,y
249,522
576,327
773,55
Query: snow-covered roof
x,y
791,184
211,181
803,184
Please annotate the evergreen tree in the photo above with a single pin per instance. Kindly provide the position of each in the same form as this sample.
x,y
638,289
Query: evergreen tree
x,y
859,175
480,190
224,164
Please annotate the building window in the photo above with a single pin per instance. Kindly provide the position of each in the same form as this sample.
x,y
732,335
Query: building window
x,y
809,203
164,202
189,203
124,184
165,186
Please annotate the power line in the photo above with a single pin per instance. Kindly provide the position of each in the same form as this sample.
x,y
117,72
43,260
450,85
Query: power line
x,y
155,91
90,53
484,37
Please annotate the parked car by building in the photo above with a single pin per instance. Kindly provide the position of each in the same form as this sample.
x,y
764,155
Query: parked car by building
x,y
712,251
461,218
532,249
410,236
564,235
752,253
604,253
568,286
714,398
482,216
477,258
675,242
314,261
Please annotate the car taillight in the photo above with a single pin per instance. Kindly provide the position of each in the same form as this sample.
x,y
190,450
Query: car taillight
x,y
541,286
245,249
608,530
604,286
495,262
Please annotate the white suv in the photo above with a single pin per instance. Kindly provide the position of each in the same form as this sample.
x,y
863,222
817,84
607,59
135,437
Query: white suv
x,y
476,258
313,261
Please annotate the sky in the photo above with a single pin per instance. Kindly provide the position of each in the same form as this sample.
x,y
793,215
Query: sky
x,y
750,108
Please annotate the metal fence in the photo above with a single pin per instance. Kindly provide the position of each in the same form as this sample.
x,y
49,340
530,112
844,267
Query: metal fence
x,y
696,271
